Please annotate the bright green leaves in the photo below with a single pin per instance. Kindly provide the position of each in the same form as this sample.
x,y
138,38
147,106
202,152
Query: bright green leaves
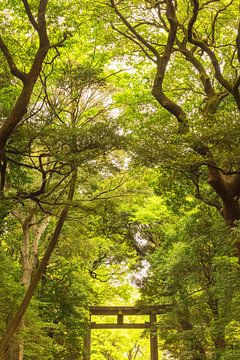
x,y
195,271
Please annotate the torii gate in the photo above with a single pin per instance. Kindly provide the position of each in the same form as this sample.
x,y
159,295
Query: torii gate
x,y
120,312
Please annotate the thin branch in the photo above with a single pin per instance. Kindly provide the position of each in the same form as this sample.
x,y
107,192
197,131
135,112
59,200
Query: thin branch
x,y
215,19
12,66
99,196
209,202
202,45
30,15
133,30
135,41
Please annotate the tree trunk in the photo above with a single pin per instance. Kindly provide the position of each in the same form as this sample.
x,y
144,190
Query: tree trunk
x,y
228,189
29,259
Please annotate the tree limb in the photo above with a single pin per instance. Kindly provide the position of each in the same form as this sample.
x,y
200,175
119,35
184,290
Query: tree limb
x,y
162,63
205,79
12,65
133,30
206,48
30,15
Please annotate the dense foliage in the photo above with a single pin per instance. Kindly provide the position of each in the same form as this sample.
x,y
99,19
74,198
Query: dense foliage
x,y
119,175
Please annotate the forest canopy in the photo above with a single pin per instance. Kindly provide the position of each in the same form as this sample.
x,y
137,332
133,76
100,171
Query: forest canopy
x,y
119,175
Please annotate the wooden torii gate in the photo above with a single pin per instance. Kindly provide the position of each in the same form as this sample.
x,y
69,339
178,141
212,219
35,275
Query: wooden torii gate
x,y
120,312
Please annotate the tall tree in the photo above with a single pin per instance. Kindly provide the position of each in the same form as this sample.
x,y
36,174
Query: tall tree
x,y
76,134
194,48
31,34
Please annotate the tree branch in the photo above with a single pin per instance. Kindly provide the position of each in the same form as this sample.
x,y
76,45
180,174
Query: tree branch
x,y
30,15
42,20
12,66
162,63
29,80
237,82
135,41
205,79
209,202
215,19
133,30
226,84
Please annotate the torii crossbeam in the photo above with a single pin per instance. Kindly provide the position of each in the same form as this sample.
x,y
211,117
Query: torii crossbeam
x,y
120,312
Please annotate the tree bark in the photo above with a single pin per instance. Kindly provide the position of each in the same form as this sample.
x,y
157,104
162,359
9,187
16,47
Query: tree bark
x,y
228,189
29,260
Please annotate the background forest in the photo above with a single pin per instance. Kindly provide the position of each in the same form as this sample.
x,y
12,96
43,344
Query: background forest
x,y
119,175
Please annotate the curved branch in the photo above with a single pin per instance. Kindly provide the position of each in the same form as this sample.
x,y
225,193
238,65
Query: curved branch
x,y
30,15
199,196
133,30
12,66
218,74
215,19
162,63
205,79
135,41
41,190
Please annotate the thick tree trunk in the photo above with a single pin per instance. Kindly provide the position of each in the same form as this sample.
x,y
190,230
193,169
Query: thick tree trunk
x,y
30,249
29,260
231,214
228,189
